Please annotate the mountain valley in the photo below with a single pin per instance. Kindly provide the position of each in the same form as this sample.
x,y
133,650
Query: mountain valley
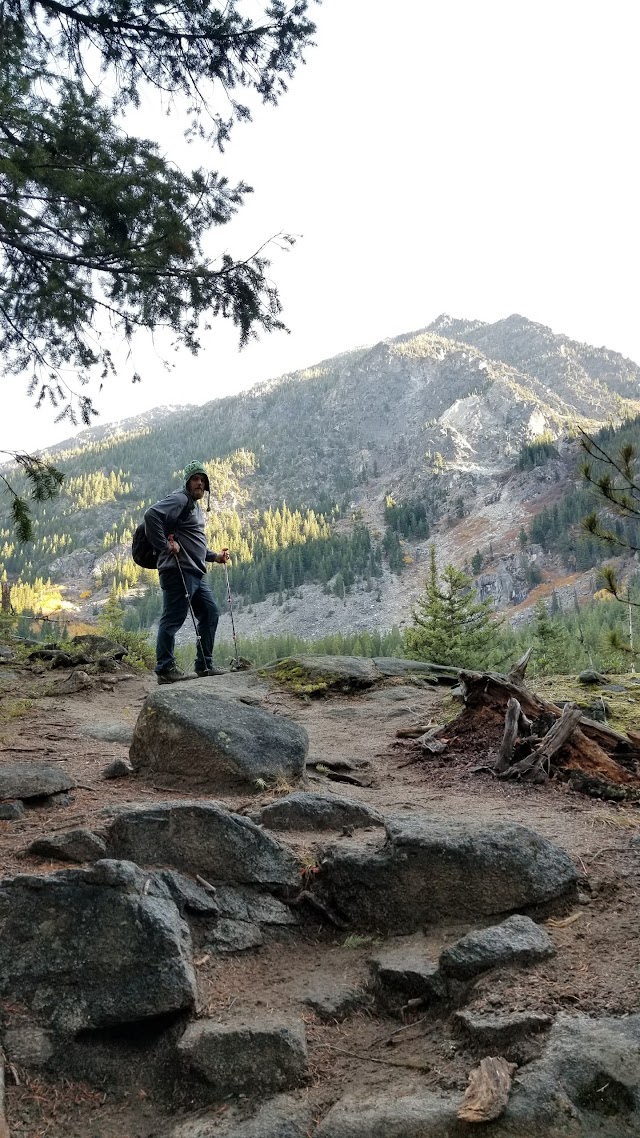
x,y
328,484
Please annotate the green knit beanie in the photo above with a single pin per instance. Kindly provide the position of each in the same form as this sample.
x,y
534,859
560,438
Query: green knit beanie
x,y
196,468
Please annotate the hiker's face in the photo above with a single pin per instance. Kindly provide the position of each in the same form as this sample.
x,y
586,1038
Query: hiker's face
x,y
196,486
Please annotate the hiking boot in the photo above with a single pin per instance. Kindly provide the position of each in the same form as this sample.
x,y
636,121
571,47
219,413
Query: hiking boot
x,y
174,676
210,672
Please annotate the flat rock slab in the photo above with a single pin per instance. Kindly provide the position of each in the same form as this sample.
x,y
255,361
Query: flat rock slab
x,y
518,940
387,1115
393,666
33,780
496,1031
188,736
306,810
331,1000
107,732
202,838
407,973
247,687
258,1055
315,675
89,948
430,869
280,1117
69,845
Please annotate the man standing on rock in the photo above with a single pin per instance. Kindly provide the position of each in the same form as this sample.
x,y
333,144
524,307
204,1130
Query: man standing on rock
x,y
175,529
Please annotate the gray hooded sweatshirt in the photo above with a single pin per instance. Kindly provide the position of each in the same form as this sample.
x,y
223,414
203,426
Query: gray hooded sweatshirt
x,y
171,516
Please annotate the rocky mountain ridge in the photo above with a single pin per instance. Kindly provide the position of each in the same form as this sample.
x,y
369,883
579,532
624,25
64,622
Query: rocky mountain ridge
x,y
437,417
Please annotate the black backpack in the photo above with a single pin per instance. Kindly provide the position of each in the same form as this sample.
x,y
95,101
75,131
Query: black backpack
x,y
142,550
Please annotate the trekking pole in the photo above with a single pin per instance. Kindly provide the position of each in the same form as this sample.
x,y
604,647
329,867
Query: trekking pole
x,y
186,593
233,626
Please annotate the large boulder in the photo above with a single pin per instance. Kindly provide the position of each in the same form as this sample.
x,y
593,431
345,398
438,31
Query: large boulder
x,y
257,1055
589,1071
96,646
91,948
316,675
430,869
204,838
188,736
306,810
33,780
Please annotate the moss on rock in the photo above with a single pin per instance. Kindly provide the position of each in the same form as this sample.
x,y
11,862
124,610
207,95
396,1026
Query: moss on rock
x,y
319,675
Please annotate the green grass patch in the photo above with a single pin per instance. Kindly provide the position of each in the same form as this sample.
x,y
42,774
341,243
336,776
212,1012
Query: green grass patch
x,y
14,709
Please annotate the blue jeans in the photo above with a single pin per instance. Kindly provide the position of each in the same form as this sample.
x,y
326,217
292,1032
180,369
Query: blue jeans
x,y
175,609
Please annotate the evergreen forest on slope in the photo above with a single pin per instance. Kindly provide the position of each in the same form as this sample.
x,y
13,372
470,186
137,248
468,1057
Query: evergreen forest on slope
x,y
292,464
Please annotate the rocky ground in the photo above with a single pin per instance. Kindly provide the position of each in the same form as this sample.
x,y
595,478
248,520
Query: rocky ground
x,y
329,983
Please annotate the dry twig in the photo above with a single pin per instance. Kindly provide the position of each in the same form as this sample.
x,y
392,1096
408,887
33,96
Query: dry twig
x,y
385,1062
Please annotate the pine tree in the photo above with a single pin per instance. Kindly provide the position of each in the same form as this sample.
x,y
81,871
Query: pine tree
x,y
552,643
111,617
96,220
449,625
476,563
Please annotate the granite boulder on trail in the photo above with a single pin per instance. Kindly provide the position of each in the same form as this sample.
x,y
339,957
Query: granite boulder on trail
x,y
192,737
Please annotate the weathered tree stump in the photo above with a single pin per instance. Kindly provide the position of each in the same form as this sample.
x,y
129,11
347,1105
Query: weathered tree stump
x,y
511,724
554,740
566,743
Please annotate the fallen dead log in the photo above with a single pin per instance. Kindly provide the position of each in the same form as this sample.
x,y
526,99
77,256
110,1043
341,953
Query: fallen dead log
x,y
487,1094
412,732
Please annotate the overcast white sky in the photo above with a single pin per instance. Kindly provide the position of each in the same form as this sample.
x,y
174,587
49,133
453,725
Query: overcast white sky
x,y
472,158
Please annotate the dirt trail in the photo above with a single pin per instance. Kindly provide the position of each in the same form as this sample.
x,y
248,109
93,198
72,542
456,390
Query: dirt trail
x,y
596,969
